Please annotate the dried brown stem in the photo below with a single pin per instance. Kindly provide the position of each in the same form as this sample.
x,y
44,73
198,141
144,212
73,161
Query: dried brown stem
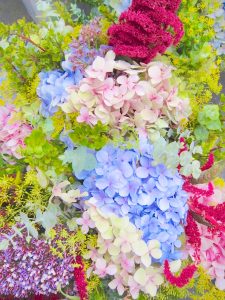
x,y
27,39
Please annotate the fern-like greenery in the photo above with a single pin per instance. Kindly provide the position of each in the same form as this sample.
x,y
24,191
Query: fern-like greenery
x,y
20,193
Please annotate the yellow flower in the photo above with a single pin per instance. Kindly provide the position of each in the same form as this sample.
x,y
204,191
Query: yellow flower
x,y
219,182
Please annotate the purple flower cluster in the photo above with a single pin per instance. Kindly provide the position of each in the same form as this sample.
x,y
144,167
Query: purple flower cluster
x,y
85,49
31,269
126,183
52,89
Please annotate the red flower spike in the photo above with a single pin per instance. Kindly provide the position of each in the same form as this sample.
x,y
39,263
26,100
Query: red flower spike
x,y
209,163
181,280
193,234
185,148
54,297
39,297
190,188
143,32
80,278
215,215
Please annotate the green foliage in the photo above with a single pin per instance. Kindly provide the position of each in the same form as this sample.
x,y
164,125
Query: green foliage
x,y
26,49
20,193
41,152
201,133
63,12
103,292
10,168
168,154
81,159
93,137
210,117
93,3
197,66
209,129
200,288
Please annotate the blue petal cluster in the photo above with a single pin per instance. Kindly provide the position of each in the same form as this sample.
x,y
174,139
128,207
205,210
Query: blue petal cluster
x,y
219,28
126,183
82,55
52,89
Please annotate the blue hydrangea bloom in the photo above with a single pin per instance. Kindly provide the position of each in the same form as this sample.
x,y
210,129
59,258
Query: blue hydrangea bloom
x,y
64,137
52,89
219,28
82,55
127,183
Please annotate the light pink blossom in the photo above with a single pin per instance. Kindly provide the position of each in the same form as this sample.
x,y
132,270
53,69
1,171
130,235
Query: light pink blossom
x,y
86,117
85,222
102,269
117,283
138,96
12,132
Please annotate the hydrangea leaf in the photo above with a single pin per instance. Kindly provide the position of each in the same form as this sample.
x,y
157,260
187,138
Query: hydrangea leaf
x,y
81,159
201,133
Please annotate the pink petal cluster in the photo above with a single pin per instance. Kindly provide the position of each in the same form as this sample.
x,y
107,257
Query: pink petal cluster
x,y
12,133
117,93
206,237
212,254
122,253
85,222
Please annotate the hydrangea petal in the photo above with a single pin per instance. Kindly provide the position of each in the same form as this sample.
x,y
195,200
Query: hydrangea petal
x,y
140,248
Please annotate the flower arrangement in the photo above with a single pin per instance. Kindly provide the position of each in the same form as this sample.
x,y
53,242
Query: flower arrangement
x,y
111,152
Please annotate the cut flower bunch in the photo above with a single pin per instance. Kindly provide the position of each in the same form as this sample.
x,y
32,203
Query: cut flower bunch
x,y
112,150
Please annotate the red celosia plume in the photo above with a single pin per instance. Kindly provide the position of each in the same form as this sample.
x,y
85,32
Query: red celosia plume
x,y
80,278
190,188
193,234
181,280
209,163
214,215
144,30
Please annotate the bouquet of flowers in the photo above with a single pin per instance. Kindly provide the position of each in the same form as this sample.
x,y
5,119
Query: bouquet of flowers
x,y
112,152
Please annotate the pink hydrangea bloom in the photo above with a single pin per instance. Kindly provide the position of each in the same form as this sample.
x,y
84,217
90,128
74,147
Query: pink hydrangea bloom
x,y
12,132
118,94
211,254
211,246
102,269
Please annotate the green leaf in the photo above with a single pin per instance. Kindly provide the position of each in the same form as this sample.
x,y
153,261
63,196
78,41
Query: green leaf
x,y
29,226
72,224
81,159
50,217
201,133
209,117
222,97
47,126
